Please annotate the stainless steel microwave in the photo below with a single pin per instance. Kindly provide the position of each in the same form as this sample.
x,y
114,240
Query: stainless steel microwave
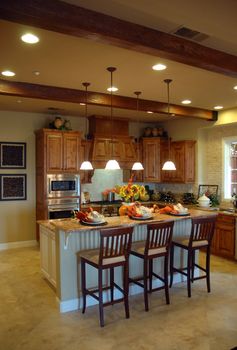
x,y
63,185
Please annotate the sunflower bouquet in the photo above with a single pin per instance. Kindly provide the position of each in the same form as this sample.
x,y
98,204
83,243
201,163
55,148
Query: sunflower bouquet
x,y
130,192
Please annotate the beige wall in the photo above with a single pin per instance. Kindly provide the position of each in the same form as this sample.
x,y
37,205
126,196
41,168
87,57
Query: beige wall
x,y
17,218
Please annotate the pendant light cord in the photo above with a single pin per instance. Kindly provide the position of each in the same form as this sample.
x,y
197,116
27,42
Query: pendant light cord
x,y
111,70
86,121
138,93
168,81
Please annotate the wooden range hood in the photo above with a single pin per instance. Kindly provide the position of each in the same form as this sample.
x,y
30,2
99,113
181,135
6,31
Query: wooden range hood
x,y
107,134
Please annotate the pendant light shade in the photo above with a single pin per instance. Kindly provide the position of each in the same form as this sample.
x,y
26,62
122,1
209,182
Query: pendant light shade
x,y
86,165
168,165
137,165
112,164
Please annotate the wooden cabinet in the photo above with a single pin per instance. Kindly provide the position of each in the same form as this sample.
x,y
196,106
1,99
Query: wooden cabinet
x,y
121,149
62,151
137,174
152,149
48,254
223,243
183,155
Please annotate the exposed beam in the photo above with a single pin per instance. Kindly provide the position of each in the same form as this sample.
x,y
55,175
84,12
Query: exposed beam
x,y
46,92
69,19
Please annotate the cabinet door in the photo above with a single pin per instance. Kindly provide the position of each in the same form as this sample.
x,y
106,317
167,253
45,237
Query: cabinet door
x,y
54,152
226,241
52,258
151,159
71,152
129,150
177,155
224,237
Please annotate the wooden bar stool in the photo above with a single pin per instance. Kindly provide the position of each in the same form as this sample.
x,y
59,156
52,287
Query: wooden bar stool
x,y
156,245
202,231
115,246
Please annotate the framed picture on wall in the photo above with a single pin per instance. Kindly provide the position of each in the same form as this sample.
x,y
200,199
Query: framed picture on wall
x,y
12,187
12,155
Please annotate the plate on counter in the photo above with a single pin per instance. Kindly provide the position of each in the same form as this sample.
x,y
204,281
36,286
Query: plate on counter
x,y
98,223
141,218
179,214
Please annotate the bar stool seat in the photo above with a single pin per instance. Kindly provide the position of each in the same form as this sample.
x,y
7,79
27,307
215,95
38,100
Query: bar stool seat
x,y
156,245
202,231
115,246
93,256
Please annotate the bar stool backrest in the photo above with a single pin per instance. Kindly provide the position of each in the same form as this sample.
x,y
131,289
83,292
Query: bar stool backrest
x,y
202,229
159,237
115,244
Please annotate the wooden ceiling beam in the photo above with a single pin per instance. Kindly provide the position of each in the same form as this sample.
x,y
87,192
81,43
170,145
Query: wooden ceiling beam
x,y
45,92
69,19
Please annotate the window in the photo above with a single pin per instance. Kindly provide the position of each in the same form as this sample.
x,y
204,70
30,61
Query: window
x,y
230,167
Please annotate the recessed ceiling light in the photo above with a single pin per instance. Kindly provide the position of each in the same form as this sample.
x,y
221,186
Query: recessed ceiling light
x,y
186,102
159,66
8,73
235,87
36,72
113,89
82,104
218,107
18,101
30,38
149,112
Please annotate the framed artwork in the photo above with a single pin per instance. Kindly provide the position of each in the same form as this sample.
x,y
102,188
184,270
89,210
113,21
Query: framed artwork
x,y
12,187
12,155
208,190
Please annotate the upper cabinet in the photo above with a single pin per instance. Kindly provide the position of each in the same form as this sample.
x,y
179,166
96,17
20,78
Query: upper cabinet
x,y
183,155
58,151
152,150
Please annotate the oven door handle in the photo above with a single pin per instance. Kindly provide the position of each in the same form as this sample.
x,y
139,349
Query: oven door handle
x,y
62,209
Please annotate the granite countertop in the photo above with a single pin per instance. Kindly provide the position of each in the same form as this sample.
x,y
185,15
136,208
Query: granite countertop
x,y
73,225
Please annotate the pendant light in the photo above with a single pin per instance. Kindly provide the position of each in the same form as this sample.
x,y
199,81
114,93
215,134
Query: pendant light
x,y
86,164
168,165
137,165
112,164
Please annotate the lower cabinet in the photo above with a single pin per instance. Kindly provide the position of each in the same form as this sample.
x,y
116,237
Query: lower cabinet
x,y
48,254
223,243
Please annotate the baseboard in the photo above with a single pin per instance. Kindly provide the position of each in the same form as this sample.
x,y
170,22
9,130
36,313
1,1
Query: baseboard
x,y
20,244
75,304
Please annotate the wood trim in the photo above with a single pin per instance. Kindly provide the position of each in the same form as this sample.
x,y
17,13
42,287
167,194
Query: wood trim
x,y
46,92
77,21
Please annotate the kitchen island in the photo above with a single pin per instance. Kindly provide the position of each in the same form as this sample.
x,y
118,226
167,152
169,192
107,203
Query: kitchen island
x,y
62,239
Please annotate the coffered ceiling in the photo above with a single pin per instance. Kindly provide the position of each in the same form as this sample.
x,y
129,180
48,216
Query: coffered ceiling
x,y
65,61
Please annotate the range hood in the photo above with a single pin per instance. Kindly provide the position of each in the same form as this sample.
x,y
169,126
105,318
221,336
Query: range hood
x,y
123,145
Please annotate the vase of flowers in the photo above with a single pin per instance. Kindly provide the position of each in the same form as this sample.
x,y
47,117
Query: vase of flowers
x,y
129,194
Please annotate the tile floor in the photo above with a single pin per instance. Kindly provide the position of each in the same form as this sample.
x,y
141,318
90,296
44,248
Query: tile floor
x,y
29,317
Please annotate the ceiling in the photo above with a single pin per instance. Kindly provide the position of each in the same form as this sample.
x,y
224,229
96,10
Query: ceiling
x,y
66,61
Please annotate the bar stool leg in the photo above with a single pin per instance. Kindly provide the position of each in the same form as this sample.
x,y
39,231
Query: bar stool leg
x,y
208,270
83,285
193,265
112,283
126,288
171,264
150,274
145,284
100,286
189,271
166,278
